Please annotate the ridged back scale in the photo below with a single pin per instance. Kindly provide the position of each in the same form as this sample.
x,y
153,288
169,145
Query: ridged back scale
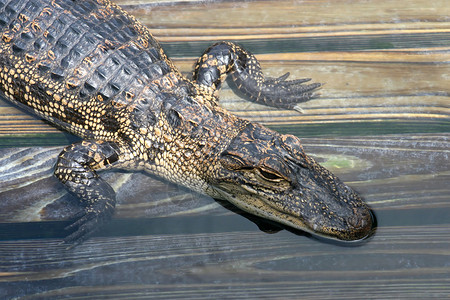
x,y
82,65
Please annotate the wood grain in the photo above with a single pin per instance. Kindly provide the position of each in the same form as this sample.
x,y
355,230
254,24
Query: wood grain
x,y
381,123
416,166
401,263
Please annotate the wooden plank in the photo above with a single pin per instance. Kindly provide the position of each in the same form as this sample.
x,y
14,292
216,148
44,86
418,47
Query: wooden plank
x,y
400,263
288,16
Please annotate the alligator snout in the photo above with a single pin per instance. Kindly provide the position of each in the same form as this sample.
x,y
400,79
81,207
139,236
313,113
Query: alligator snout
x,y
330,207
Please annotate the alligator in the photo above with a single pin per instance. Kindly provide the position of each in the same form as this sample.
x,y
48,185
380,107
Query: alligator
x,y
90,68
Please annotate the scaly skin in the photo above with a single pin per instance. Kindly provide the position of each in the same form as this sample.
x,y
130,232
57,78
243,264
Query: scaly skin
x,y
93,70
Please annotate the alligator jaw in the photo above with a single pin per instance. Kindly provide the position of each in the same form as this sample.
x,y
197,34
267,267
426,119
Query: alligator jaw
x,y
253,205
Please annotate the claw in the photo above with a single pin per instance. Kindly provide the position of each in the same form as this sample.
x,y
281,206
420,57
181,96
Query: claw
x,y
85,227
283,77
77,216
299,81
87,222
277,80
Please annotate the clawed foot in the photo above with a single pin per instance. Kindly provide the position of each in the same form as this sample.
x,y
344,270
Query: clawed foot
x,y
282,93
88,221
249,80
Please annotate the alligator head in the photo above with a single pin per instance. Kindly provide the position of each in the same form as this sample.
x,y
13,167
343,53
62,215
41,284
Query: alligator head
x,y
269,175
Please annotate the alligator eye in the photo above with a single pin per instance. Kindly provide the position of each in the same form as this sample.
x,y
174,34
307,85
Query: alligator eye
x,y
273,169
269,175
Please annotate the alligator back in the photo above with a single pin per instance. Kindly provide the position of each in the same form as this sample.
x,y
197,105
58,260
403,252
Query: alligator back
x,y
80,64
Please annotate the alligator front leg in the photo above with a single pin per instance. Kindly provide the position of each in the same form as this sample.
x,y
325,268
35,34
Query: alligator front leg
x,y
76,169
225,57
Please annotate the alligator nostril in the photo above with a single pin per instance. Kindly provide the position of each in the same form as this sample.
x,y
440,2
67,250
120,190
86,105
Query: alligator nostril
x,y
355,221
361,219
363,223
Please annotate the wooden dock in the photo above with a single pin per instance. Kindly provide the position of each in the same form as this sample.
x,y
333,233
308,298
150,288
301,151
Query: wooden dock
x,y
382,124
